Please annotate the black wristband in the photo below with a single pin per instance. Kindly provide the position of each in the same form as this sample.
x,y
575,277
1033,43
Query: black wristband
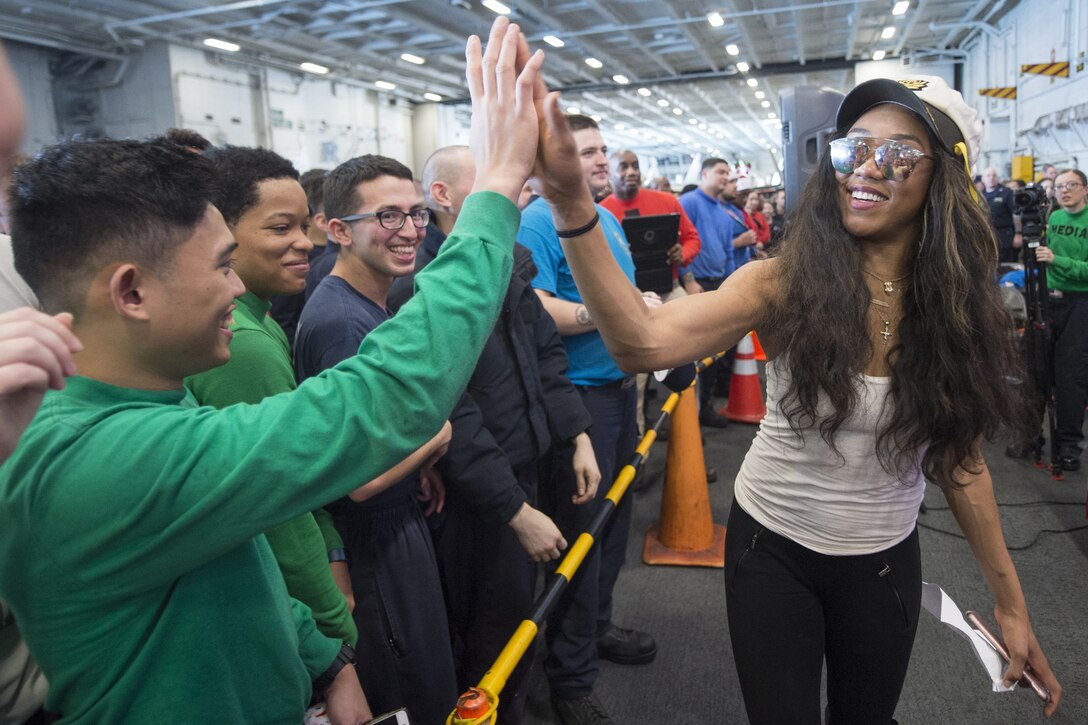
x,y
345,657
570,233
339,554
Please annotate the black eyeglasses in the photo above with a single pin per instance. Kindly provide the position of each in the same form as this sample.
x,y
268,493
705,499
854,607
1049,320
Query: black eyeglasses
x,y
393,219
1068,186
895,160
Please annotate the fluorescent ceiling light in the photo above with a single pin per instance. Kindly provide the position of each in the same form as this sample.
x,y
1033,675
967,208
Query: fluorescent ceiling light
x,y
222,45
765,104
732,49
752,83
644,92
313,68
619,127
621,79
412,58
678,111
715,19
495,6
432,97
596,117
662,102
760,94
693,121
553,41
879,55
743,67
887,32
594,63
574,110
772,115
385,85
901,7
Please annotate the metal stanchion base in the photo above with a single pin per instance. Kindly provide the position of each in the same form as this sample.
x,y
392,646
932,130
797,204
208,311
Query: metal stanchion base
x,y
656,553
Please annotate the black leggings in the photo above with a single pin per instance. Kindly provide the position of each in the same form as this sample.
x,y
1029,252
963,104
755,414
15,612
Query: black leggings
x,y
790,608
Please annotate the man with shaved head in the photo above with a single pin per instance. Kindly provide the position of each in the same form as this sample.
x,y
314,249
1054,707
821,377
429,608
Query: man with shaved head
x,y
1002,203
523,416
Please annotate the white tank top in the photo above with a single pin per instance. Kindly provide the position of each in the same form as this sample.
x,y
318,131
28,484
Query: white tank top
x,y
803,490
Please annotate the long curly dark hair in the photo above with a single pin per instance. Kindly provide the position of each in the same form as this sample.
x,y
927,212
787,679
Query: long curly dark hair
x,y
954,356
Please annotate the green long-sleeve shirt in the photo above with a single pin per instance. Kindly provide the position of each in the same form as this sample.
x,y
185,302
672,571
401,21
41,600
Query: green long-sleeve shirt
x,y
132,553
1067,237
260,366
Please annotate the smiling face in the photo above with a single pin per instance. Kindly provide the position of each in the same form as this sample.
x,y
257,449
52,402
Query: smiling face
x,y
386,253
594,156
273,246
878,209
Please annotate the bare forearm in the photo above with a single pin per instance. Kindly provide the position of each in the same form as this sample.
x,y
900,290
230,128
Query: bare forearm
x,y
976,514
571,318
412,463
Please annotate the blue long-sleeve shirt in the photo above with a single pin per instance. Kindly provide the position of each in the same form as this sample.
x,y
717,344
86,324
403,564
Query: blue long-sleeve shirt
x,y
715,258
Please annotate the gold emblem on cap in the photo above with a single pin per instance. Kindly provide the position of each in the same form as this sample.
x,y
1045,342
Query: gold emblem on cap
x,y
915,85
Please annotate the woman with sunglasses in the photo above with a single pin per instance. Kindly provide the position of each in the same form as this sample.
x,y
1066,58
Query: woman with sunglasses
x,y
888,344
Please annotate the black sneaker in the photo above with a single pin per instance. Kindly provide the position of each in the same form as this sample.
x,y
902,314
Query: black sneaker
x,y
1069,461
580,711
626,646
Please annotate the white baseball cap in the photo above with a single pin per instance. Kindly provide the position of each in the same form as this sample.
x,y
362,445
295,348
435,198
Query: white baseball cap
x,y
941,108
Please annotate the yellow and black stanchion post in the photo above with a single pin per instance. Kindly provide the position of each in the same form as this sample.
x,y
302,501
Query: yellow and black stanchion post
x,y
480,704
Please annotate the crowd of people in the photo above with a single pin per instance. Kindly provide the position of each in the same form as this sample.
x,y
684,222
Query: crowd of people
x,y
273,439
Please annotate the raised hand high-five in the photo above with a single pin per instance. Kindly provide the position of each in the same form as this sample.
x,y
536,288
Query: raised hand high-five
x,y
502,80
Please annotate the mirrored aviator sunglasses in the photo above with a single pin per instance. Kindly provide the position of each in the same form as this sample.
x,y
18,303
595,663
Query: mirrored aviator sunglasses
x,y
895,160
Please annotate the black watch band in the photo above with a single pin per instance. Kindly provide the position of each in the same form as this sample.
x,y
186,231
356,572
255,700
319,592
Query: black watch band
x,y
345,657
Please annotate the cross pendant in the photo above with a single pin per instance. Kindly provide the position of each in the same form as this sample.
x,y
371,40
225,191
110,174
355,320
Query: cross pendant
x,y
885,334
888,289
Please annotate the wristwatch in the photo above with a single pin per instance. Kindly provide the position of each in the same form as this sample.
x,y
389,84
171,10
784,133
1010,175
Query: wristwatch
x,y
345,657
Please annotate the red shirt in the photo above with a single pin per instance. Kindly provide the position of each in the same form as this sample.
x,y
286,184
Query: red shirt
x,y
648,202
758,224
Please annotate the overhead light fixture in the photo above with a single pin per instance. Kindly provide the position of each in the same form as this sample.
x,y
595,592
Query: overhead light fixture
x,y
619,127
772,114
574,110
760,94
752,83
887,32
385,85
644,92
662,102
715,19
596,117
222,45
432,97
621,79
732,49
743,67
693,121
412,58
765,104
553,41
313,68
879,55
678,111
495,6
702,127
901,7
594,63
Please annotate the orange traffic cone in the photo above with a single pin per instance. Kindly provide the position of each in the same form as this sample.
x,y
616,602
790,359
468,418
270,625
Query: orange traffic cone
x,y
745,395
685,534
760,355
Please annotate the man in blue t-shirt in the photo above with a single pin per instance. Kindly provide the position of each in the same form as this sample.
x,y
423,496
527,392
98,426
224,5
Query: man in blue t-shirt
x,y
581,629
721,234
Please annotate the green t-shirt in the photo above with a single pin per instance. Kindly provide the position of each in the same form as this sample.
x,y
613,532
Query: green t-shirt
x,y
1067,237
132,552
260,366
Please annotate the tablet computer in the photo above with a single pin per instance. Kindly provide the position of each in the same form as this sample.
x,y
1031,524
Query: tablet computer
x,y
650,239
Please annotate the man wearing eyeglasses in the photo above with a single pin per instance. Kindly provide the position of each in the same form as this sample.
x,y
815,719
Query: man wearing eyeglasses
x,y
378,219
1067,278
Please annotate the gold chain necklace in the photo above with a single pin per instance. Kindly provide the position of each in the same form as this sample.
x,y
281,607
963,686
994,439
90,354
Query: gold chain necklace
x,y
889,289
886,333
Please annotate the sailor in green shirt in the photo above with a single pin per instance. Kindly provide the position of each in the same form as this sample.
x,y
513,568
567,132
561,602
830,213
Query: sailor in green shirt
x,y
265,208
1067,279
133,554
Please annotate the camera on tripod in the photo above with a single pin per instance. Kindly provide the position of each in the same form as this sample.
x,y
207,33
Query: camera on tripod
x,y
1032,205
